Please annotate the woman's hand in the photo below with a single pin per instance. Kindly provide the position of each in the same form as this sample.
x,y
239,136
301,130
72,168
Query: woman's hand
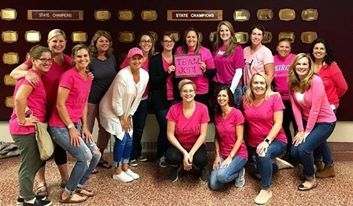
x,y
87,135
216,163
74,137
202,66
91,75
262,148
299,138
171,69
226,162
187,162
29,121
125,123
32,78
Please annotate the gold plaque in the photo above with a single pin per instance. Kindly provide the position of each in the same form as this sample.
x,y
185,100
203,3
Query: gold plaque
x,y
200,36
78,36
267,37
125,15
10,58
154,36
9,81
176,35
102,15
308,37
212,36
286,14
9,36
264,14
241,15
149,15
9,102
242,37
8,14
32,36
287,35
310,14
126,36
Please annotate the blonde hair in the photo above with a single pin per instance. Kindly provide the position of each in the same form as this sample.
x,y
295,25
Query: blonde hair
x,y
54,33
249,96
294,83
185,82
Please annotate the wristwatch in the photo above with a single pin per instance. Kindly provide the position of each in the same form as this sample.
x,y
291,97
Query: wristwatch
x,y
267,141
70,126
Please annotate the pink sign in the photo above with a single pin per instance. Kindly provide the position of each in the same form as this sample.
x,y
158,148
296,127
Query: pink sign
x,y
187,65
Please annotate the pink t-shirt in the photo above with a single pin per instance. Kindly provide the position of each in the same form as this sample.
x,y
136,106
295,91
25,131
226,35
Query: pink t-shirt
x,y
51,79
226,65
169,82
315,108
187,130
260,120
255,62
226,130
78,96
281,74
144,66
36,102
201,83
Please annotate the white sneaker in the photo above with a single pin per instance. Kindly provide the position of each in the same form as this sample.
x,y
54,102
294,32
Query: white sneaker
x,y
240,180
123,177
132,174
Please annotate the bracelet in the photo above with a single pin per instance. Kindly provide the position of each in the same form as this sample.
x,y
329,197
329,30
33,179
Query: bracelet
x,y
70,126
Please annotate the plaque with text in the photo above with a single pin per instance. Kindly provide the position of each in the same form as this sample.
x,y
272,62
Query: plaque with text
x,y
149,15
264,14
310,14
8,14
241,15
79,36
308,37
9,81
287,35
242,37
102,15
55,15
194,15
9,36
286,14
10,58
187,65
267,37
212,37
125,15
126,36
9,102
32,36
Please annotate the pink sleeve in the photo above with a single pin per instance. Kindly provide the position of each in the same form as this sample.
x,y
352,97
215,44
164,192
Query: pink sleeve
x,y
239,118
207,56
204,112
268,57
339,80
239,57
171,115
66,81
297,113
28,62
277,102
317,95
125,63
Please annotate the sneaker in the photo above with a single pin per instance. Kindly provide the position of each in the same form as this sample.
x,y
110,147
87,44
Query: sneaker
x,y
174,173
20,200
205,174
133,163
123,177
240,180
328,171
162,162
282,164
132,174
142,159
263,197
39,202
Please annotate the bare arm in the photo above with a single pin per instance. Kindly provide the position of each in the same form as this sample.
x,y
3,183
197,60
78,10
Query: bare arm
x,y
21,103
270,72
20,71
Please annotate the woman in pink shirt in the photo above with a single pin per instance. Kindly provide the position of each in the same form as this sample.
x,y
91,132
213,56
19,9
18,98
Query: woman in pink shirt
x,y
192,45
263,111
335,87
314,116
29,108
229,61
61,62
186,131
231,153
258,58
69,128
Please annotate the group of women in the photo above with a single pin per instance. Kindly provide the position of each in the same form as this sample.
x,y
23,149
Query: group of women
x,y
236,84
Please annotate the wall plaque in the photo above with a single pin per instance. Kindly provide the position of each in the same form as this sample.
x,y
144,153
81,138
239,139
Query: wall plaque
x,y
9,36
149,15
242,37
286,14
308,37
78,36
125,15
212,36
55,15
126,36
194,15
10,58
287,35
32,36
241,15
102,15
9,81
9,102
264,14
267,37
176,35
310,14
8,14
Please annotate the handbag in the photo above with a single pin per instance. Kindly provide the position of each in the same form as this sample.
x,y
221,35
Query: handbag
x,y
44,141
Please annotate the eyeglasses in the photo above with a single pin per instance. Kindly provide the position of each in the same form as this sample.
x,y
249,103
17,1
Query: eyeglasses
x,y
146,41
168,41
45,60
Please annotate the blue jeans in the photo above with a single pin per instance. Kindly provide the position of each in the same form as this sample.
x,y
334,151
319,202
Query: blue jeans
x,y
220,176
139,120
87,156
238,95
316,140
122,149
265,166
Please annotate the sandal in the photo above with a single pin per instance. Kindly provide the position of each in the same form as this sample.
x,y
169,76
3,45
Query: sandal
x,y
306,186
104,164
74,198
63,184
84,192
41,190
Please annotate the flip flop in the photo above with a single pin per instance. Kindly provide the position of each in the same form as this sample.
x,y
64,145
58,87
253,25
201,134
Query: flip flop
x,y
41,190
84,192
70,199
104,164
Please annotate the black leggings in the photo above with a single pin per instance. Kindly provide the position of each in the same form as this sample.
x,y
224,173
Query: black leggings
x,y
175,157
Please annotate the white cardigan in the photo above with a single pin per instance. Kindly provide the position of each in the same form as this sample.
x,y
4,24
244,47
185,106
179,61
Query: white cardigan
x,y
122,98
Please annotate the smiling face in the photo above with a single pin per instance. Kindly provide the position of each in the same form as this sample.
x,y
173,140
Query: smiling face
x,y
57,44
135,62
302,67
224,33
145,44
102,44
319,51
223,98
43,63
191,39
187,93
256,36
284,49
258,85
82,59
167,43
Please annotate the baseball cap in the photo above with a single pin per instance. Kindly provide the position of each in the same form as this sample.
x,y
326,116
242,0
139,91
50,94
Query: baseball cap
x,y
134,51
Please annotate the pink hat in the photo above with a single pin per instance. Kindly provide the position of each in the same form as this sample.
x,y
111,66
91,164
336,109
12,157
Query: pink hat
x,y
134,51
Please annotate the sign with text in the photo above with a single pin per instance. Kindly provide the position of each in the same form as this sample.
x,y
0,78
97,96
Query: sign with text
x,y
55,15
194,15
187,65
